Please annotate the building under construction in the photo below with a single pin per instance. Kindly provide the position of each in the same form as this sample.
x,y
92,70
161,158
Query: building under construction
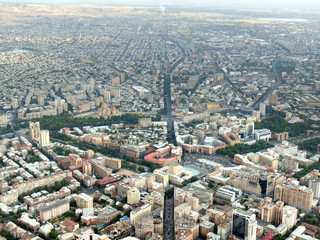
x,y
119,230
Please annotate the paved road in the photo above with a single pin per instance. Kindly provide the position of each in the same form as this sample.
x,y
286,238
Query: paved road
x,y
167,85
279,81
304,138
168,221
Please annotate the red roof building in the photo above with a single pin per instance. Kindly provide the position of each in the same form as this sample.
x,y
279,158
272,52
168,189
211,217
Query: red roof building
x,y
165,156
107,180
269,236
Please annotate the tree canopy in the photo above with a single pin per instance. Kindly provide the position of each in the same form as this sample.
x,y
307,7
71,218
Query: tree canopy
x,y
244,148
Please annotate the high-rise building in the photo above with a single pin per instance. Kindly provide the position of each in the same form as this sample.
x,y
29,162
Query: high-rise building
x,y
244,225
133,196
271,212
53,210
256,114
278,213
291,193
34,131
123,77
41,101
107,96
263,109
3,120
44,137
289,216
84,201
317,85
314,184
140,212
267,210
87,168
249,129
14,103
115,80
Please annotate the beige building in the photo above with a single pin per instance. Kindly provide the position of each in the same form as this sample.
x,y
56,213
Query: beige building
x,y
183,226
262,184
162,177
182,209
14,103
291,193
271,212
192,216
144,226
105,110
101,170
181,196
139,213
102,165
84,201
75,160
85,233
87,168
20,188
54,210
113,163
3,120
34,128
133,196
155,199
205,228
44,137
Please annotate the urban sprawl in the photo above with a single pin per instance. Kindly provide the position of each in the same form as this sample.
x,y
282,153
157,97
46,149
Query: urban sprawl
x,y
144,123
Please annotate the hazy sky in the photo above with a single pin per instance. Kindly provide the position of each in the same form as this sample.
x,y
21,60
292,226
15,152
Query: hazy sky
x,y
302,5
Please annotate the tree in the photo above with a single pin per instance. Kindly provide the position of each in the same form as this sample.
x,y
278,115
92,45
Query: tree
x,y
278,237
53,234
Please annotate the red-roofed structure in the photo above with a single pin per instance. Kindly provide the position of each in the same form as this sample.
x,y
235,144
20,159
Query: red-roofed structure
x,y
107,180
69,226
159,157
269,236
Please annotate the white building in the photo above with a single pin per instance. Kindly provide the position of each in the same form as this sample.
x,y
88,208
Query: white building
x,y
212,236
228,193
244,225
314,184
262,134
285,148
289,216
299,234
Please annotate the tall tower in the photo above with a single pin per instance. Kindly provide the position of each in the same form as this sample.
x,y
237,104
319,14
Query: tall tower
x,y
244,225
14,103
44,138
34,131
263,109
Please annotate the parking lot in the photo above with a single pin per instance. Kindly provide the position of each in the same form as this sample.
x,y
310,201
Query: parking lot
x,y
205,163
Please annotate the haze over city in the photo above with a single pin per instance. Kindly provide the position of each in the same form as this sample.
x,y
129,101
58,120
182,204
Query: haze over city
x,y
297,5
